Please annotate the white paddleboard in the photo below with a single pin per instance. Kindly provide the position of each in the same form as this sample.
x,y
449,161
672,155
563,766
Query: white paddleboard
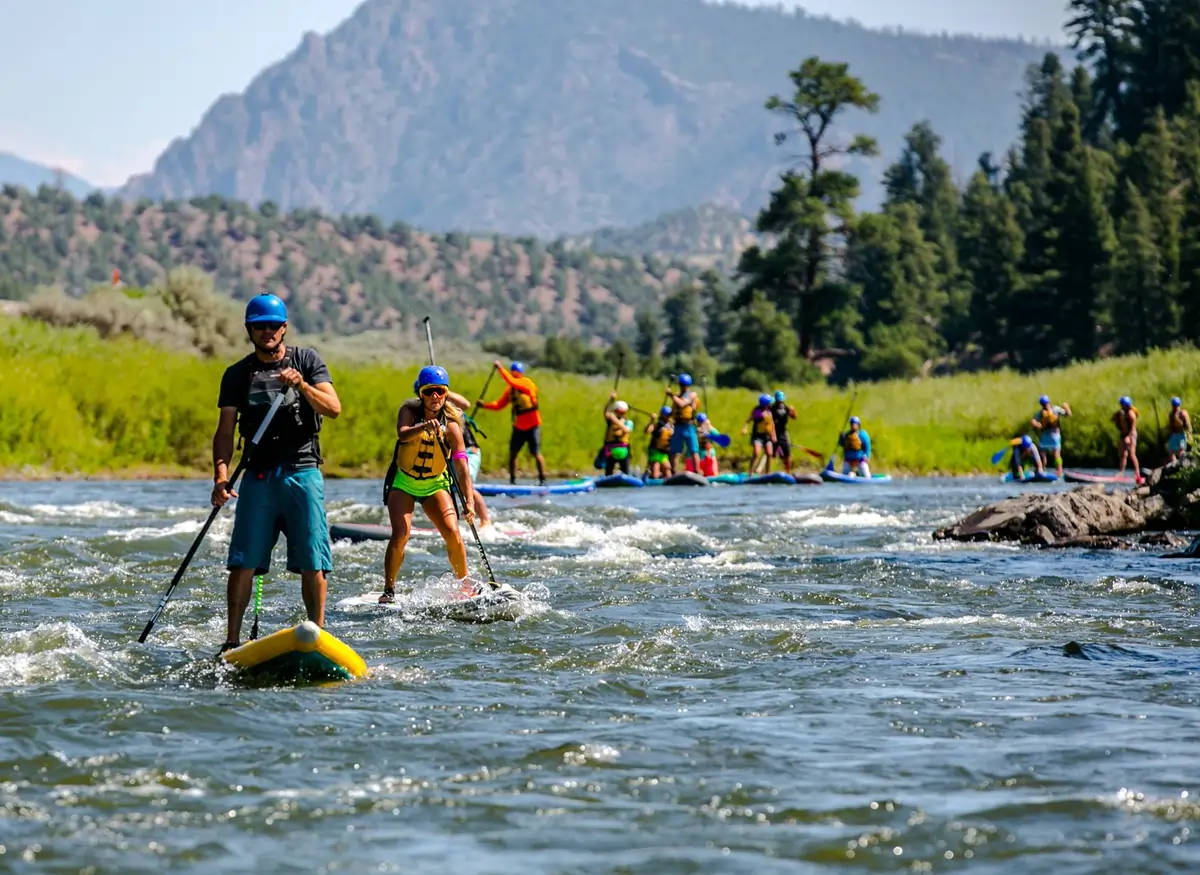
x,y
501,603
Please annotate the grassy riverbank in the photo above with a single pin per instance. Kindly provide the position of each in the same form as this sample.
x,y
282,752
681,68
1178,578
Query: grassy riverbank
x,y
77,405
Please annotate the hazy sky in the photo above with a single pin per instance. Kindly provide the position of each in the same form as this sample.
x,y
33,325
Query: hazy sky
x,y
100,87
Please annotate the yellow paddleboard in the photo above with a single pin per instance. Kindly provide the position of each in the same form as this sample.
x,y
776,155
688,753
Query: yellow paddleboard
x,y
305,653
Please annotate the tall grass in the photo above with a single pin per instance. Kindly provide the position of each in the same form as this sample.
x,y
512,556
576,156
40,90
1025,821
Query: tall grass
x,y
76,404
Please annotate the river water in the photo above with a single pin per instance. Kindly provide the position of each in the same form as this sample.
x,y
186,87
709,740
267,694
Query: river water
x,y
733,679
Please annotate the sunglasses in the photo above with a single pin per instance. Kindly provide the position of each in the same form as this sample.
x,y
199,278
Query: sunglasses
x,y
270,327
433,391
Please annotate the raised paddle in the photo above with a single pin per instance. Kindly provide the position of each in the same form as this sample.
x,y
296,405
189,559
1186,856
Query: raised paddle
x,y
237,472
482,395
455,488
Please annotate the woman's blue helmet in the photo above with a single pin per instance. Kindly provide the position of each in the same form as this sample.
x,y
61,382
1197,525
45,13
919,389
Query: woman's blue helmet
x,y
764,400
1026,442
854,420
432,375
1044,400
265,308
1126,401
779,396
1177,402
665,411
685,380
517,368
701,417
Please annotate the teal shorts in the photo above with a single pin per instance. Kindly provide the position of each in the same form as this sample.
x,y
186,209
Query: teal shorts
x,y
1177,443
474,461
281,500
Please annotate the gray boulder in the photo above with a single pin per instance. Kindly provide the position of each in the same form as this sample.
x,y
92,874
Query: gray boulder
x,y
1082,516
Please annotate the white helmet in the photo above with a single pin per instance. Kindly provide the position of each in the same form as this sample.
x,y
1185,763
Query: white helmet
x,y
621,407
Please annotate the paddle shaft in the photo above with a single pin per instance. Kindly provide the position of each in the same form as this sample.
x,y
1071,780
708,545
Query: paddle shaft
x,y
846,418
455,488
233,479
482,392
257,606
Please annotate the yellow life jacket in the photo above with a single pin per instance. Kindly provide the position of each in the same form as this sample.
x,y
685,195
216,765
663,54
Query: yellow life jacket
x,y
421,458
1176,423
1127,420
660,438
762,427
618,432
522,403
686,414
853,441
1049,418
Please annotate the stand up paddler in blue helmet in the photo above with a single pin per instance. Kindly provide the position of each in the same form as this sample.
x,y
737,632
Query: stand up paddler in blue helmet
x,y
429,438
685,404
1024,450
282,489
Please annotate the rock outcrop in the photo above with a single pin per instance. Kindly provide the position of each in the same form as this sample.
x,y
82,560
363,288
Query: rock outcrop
x,y
1044,519
1091,516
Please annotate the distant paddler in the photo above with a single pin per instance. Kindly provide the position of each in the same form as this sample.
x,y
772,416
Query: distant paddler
x,y
706,431
283,489
1023,450
1126,419
685,404
474,454
661,430
1047,421
760,425
618,428
782,412
429,435
856,449
522,394
1179,426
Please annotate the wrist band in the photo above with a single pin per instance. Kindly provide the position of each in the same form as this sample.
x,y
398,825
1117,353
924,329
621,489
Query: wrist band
x,y
459,455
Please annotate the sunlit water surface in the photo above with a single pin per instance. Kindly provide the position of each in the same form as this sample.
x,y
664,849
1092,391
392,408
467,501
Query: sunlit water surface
x,y
733,679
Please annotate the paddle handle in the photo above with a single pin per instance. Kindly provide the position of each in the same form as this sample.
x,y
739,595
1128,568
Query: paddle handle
x,y
233,479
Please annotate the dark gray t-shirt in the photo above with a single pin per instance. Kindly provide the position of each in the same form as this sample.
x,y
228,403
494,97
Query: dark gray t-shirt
x,y
251,385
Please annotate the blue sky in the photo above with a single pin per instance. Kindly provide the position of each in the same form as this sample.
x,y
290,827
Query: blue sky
x,y
112,82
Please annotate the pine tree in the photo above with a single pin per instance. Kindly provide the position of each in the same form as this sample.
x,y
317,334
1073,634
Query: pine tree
x,y
685,322
1138,273
767,347
1100,31
1186,128
1080,258
719,318
991,248
895,266
812,204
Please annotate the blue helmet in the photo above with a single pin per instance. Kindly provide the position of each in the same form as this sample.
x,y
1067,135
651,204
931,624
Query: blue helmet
x,y
265,308
764,400
517,368
1126,401
1044,400
665,411
1026,442
779,396
1176,402
701,417
685,380
432,375
854,420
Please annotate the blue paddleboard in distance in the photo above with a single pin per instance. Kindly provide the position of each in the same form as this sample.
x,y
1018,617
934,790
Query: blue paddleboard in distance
x,y
585,485
854,479
618,481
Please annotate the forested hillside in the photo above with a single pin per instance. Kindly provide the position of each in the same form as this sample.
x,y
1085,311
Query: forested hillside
x,y
344,274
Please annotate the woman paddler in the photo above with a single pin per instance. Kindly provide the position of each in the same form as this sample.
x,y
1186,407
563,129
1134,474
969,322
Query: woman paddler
x,y
430,438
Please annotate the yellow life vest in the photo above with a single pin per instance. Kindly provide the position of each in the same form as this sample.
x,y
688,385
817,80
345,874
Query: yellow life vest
x,y
762,427
1176,423
1127,420
421,458
853,442
660,439
1049,418
522,403
618,432
686,414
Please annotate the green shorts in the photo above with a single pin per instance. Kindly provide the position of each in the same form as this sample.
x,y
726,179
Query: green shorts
x,y
421,489
659,457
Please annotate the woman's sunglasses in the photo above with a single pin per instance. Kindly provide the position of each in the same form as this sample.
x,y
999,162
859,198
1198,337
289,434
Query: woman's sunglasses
x,y
269,327
433,391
